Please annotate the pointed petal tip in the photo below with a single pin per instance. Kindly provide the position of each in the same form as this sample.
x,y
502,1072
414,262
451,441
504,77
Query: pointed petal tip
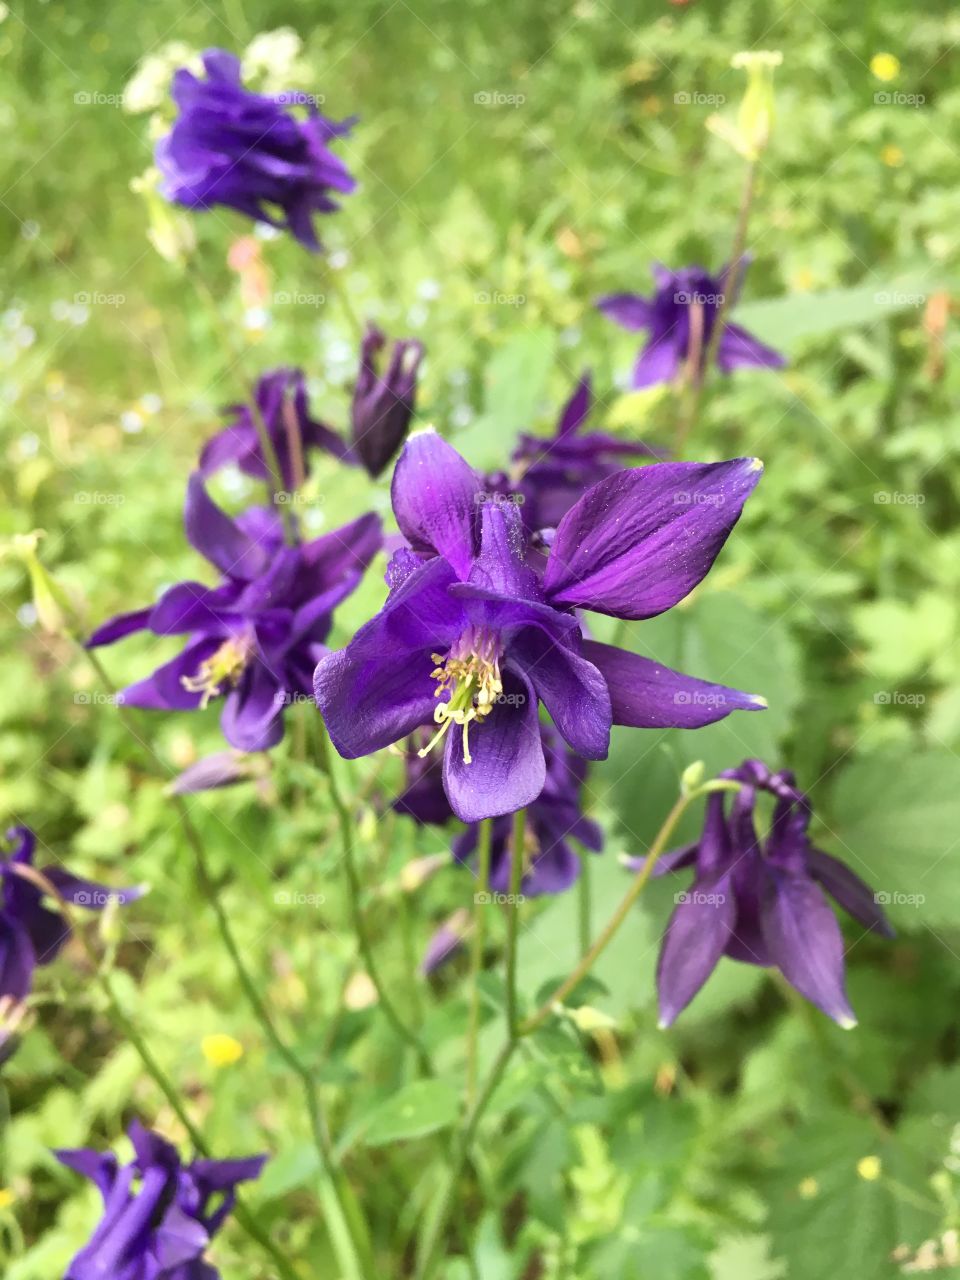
x,y
759,702
664,1023
756,464
846,1023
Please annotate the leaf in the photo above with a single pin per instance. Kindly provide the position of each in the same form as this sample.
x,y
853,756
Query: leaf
x,y
289,1170
782,321
419,1108
896,821
516,382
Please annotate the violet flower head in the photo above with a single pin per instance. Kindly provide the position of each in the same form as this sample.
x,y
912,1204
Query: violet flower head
x,y
680,318
255,637
159,1213
762,901
250,152
32,930
555,471
281,397
383,402
476,631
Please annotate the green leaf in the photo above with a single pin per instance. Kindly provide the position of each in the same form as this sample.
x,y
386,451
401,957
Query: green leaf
x,y
289,1170
895,821
515,383
418,1109
782,321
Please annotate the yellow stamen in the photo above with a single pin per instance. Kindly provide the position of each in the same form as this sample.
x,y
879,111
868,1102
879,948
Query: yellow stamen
x,y
221,671
470,677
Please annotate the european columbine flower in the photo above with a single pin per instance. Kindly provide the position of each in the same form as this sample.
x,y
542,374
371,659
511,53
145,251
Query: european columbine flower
x,y
762,901
250,152
281,397
383,403
255,638
159,1214
473,636
548,475
31,933
680,318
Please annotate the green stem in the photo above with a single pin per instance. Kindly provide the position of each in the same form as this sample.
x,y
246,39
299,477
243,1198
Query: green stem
x,y
344,299
481,903
513,916
584,905
354,891
616,920
344,1221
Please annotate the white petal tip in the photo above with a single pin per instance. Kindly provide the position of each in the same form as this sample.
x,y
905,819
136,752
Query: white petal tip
x,y
847,1024
756,464
759,701
663,1025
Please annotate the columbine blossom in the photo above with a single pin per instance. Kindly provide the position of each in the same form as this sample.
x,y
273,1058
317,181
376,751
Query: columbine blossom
x,y
32,933
680,318
473,636
255,638
548,474
383,403
763,901
281,397
250,152
159,1213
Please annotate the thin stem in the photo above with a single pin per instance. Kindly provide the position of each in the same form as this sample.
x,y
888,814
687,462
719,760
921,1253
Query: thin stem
x,y
354,891
616,920
517,843
344,299
481,903
584,905
730,286
345,1223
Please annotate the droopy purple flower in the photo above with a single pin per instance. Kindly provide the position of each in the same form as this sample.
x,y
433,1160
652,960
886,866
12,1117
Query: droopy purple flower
x,y
256,637
680,318
281,397
553,472
250,152
472,635
762,901
159,1214
31,933
383,403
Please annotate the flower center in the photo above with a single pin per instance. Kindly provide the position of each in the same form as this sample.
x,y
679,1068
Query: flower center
x,y
221,671
469,675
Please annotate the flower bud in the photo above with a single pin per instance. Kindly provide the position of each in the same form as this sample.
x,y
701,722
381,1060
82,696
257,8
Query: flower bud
x,y
383,404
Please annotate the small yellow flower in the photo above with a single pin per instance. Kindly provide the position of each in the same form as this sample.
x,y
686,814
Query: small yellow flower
x,y
869,1168
892,155
221,1050
803,280
808,1188
885,66
6,1198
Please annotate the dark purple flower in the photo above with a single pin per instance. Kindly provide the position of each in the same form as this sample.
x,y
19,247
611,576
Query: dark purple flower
x,y
473,635
680,318
549,474
256,637
761,901
281,397
250,152
159,1214
383,403
32,933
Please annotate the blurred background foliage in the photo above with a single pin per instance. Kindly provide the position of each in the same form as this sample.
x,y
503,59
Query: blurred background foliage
x,y
755,1140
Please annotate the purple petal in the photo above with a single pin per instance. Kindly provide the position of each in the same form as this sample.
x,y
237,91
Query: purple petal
x,y
846,887
17,960
645,695
577,408
343,550
638,542
164,690
657,362
179,1239
446,942
252,718
507,769
218,538
739,348
124,624
805,943
434,494
693,943
627,309
570,687
89,893
222,769
501,565
190,606
99,1166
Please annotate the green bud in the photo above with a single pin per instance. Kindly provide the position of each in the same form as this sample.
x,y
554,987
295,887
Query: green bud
x,y
56,611
171,233
691,777
755,117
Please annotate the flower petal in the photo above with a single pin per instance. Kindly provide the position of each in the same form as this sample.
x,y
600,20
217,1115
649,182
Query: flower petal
x,y
576,409
17,960
627,309
501,565
646,695
252,718
805,943
124,624
434,494
571,688
658,361
693,943
507,769
164,690
639,541
739,349
190,606
218,538
846,887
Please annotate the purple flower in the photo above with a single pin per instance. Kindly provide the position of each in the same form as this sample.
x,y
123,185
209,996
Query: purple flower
x,y
31,933
554,472
159,1214
256,637
475,633
249,152
761,901
281,397
680,318
446,941
383,404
